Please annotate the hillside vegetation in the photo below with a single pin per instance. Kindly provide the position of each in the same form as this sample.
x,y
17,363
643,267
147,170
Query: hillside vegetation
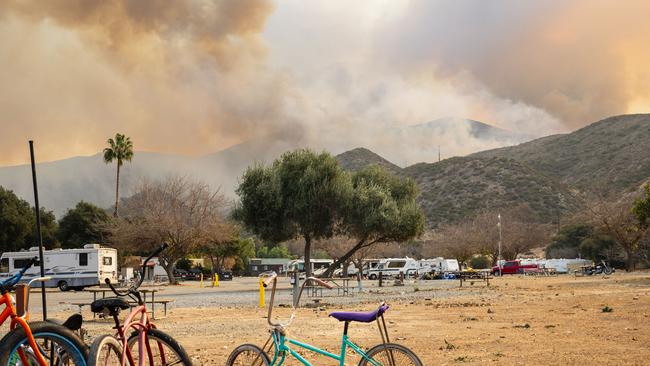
x,y
612,155
458,188
549,174
359,158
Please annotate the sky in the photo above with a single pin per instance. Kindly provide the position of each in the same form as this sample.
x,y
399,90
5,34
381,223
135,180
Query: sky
x,y
197,76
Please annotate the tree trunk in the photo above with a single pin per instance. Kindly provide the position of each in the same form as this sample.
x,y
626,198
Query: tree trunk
x,y
117,189
213,270
629,260
343,259
308,255
169,268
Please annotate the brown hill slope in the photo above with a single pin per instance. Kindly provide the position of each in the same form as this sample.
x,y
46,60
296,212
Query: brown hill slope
x,y
457,188
611,155
360,157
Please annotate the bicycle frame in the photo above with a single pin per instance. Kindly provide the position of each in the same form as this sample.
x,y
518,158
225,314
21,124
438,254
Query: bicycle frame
x,y
142,326
282,349
281,342
10,312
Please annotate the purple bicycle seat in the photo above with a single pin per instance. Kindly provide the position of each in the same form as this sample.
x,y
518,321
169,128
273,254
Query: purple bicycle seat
x,y
363,317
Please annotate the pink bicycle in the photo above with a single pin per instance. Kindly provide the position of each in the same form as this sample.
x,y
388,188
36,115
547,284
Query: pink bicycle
x,y
146,345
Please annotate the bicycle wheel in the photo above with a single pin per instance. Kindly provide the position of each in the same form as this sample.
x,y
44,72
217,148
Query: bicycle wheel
x,y
57,344
248,355
164,349
391,354
106,350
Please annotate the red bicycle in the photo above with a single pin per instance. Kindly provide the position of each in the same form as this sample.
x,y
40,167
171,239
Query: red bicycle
x,y
146,345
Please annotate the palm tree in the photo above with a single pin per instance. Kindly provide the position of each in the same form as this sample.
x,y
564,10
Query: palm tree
x,y
120,149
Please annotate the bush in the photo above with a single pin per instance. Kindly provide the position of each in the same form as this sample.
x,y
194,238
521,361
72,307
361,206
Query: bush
x,y
480,262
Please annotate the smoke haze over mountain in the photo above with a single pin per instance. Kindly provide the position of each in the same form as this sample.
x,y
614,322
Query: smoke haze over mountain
x,y
195,76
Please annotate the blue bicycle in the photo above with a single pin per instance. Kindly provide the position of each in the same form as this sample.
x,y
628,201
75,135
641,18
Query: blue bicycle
x,y
279,347
36,343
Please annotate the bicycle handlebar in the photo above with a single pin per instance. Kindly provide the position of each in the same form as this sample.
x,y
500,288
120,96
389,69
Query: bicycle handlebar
x,y
273,277
14,279
137,285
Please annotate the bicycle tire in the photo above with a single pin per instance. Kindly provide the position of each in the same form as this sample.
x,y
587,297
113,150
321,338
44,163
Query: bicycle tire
x,y
71,346
164,338
103,349
259,358
400,354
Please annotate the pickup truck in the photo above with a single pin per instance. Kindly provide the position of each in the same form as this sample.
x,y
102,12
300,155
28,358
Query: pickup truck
x,y
513,267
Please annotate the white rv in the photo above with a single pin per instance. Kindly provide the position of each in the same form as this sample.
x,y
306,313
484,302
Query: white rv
x,y
317,265
438,265
392,267
69,268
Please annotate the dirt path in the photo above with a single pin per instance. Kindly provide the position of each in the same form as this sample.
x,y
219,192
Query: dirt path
x,y
518,320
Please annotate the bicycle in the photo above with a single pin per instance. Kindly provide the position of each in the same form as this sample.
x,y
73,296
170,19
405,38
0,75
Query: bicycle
x,y
134,349
42,343
278,343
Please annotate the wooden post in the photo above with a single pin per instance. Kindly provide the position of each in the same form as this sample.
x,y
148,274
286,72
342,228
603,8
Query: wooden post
x,y
381,279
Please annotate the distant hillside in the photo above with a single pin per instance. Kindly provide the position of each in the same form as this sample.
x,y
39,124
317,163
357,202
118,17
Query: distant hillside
x,y
460,187
360,158
612,155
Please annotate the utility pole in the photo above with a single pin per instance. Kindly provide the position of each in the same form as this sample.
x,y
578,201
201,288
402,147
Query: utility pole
x,y
499,257
438,153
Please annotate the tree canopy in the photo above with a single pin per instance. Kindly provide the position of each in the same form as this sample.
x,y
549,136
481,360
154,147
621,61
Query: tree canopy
x,y
119,150
183,213
299,195
381,209
81,225
18,224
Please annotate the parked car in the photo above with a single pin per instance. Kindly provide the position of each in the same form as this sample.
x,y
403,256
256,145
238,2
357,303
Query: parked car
x,y
181,274
513,267
225,275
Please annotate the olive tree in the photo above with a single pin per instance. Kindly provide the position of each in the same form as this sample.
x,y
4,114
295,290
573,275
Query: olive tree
x,y
381,209
299,195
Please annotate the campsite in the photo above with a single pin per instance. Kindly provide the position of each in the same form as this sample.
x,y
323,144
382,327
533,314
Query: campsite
x,y
324,182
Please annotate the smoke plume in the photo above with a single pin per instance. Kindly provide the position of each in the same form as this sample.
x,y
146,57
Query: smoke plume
x,y
196,76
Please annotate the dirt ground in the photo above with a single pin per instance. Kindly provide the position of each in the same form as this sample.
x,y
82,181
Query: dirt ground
x,y
517,320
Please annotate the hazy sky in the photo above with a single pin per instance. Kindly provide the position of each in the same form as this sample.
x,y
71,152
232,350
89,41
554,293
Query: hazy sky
x,y
192,77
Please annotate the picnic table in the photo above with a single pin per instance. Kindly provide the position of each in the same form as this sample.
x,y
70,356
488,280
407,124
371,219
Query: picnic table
x,y
143,291
342,286
483,275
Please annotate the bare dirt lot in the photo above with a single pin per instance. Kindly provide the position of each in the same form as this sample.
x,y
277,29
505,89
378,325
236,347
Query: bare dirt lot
x,y
517,320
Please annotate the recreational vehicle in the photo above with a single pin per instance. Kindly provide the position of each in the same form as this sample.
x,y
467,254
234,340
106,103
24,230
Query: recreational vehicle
x,y
316,265
69,268
392,267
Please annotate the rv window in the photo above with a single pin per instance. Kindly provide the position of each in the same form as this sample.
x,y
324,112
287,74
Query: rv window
x,y
83,259
4,265
396,264
107,261
22,262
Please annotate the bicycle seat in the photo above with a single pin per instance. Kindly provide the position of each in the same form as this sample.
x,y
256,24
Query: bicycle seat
x,y
112,304
74,322
363,317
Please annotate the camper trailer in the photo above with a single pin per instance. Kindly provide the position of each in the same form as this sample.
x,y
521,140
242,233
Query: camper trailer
x,y
317,265
70,269
392,267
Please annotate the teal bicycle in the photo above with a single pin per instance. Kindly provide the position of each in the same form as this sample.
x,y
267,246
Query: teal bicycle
x,y
278,347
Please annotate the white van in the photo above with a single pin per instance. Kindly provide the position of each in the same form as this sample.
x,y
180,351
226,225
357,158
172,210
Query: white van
x,y
69,268
392,267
